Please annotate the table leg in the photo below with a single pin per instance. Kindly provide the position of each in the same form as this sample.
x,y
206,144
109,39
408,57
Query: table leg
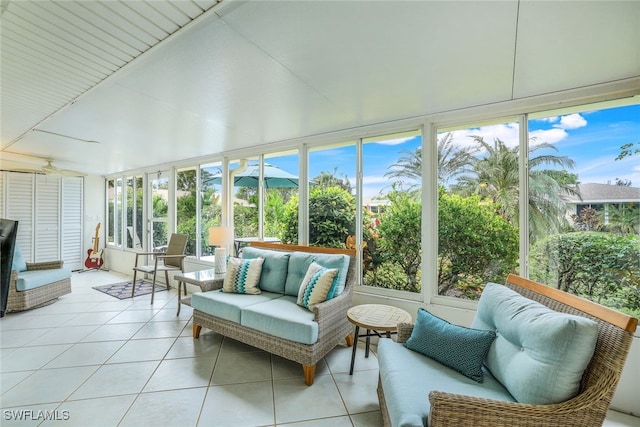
x,y
366,348
179,293
388,334
353,352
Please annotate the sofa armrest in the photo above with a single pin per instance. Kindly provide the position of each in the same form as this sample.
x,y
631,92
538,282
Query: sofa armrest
x,y
47,265
404,332
327,312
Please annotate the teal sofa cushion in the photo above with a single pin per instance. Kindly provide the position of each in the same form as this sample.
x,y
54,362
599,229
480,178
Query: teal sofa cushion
x,y
299,263
408,377
539,354
18,260
282,318
457,347
227,305
274,268
28,280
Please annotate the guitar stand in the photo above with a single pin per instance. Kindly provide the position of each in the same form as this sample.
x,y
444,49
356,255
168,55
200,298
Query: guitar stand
x,y
85,270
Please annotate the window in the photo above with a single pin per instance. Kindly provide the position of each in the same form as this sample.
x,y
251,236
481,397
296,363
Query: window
x,y
134,226
332,203
159,210
280,197
392,211
478,210
114,202
584,225
186,207
210,203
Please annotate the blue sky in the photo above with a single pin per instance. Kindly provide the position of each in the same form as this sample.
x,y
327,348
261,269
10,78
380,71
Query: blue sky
x,y
591,138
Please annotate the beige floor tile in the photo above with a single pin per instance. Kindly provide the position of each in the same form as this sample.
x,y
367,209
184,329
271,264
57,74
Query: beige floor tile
x,y
141,350
117,379
238,405
47,386
242,368
86,353
358,391
30,358
206,346
181,373
100,412
64,335
115,332
166,408
296,401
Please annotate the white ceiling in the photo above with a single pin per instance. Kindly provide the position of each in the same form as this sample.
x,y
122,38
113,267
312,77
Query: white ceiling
x,y
154,82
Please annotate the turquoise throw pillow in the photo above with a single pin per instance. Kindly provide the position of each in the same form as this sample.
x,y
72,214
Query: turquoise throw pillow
x,y
457,347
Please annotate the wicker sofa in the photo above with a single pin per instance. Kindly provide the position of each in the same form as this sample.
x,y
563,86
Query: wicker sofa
x,y
458,401
272,320
36,284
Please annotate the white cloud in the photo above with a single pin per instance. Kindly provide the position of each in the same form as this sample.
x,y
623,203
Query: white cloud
x,y
396,141
506,132
572,121
550,136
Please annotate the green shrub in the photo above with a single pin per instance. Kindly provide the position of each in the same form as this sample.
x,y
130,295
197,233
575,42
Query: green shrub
x,y
601,267
475,245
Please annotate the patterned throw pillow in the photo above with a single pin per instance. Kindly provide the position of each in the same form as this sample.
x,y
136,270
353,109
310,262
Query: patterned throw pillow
x,y
316,285
457,347
243,275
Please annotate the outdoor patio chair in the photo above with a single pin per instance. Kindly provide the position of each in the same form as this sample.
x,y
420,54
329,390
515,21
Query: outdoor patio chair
x,y
171,260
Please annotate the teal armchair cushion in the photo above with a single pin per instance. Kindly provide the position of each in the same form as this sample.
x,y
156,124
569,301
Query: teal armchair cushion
x,y
18,260
539,354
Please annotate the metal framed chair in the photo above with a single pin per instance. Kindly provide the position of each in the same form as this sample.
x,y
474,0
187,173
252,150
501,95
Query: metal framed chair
x,y
170,260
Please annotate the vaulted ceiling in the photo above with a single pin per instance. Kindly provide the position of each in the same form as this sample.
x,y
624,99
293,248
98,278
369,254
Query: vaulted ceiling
x,y
108,86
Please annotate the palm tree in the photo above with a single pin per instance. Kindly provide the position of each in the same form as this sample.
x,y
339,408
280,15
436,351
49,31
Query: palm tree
x,y
452,161
495,176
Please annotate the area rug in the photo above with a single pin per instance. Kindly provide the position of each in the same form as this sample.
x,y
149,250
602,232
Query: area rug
x,y
123,290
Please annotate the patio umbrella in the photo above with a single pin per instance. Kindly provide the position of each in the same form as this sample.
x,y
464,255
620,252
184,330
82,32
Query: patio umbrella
x,y
274,177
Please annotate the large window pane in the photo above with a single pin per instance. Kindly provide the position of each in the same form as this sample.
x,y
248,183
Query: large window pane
x,y
245,175
134,212
332,203
186,192
392,210
159,191
280,213
584,226
478,179
210,204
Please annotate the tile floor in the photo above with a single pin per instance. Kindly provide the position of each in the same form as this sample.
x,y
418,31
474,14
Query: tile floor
x,y
93,360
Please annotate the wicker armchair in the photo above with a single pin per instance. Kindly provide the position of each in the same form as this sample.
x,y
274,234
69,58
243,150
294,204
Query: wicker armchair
x,y
37,297
599,381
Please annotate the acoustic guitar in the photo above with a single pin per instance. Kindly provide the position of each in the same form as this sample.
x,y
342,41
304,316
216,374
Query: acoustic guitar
x,y
94,258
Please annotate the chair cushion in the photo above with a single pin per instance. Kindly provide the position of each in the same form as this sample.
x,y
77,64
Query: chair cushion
x,y
316,285
274,268
457,347
226,305
243,276
32,279
282,318
539,354
407,378
18,260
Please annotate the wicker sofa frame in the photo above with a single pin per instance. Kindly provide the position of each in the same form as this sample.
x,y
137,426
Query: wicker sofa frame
x,y
331,316
588,408
37,297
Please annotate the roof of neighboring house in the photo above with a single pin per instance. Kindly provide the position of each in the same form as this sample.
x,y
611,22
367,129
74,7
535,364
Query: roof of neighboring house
x,y
606,193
